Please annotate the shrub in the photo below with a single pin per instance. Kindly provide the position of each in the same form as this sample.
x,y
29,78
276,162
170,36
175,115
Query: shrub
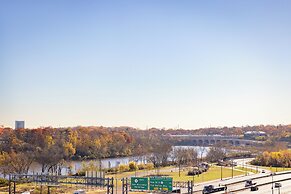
x,y
123,168
112,170
149,166
132,166
191,173
141,166
196,171
91,166
79,173
3,182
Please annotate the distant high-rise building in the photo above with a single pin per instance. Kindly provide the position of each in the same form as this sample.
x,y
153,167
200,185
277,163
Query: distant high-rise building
x,y
19,124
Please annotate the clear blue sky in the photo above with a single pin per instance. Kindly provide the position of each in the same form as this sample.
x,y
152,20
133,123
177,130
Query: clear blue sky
x,y
145,63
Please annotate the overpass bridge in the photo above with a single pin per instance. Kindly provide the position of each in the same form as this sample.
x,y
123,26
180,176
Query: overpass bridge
x,y
206,140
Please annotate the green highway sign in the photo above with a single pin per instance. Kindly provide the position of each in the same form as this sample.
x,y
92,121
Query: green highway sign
x,y
137,183
161,183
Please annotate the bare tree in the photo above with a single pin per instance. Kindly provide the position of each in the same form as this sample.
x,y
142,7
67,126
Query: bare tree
x,y
184,156
215,154
201,150
160,154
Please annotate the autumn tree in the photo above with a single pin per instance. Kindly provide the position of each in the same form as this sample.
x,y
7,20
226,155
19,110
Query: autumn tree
x,y
15,162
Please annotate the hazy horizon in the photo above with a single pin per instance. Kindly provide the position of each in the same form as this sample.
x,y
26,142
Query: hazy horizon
x,y
151,127
191,64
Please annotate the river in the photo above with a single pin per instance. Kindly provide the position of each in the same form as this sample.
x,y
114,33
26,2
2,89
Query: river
x,y
110,162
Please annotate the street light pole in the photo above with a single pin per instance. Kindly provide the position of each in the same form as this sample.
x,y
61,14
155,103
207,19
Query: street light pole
x,y
221,172
272,184
243,164
246,169
231,168
193,175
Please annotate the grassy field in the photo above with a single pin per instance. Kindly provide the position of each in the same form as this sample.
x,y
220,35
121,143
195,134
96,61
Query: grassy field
x,y
139,173
212,174
275,169
246,169
66,189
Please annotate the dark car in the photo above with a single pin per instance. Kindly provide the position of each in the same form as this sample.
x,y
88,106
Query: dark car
x,y
250,183
278,185
254,188
211,189
176,190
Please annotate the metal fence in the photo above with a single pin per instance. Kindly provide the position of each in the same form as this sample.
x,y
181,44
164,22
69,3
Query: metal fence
x,y
106,183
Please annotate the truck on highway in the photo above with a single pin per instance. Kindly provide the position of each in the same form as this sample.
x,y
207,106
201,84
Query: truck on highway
x,y
211,189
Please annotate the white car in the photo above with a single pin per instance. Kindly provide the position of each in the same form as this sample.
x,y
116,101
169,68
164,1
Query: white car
x,y
79,192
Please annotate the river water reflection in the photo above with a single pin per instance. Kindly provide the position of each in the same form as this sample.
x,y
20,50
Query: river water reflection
x,y
110,162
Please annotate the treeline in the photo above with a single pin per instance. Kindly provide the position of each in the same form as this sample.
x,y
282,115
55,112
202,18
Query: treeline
x,y
52,147
271,130
274,159
282,132
275,132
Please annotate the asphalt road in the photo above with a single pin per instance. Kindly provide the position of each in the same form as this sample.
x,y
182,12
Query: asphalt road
x,y
260,178
240,179
264,188
267,189
240,162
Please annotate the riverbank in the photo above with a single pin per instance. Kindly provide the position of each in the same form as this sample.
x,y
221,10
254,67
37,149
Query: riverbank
x,y
73,166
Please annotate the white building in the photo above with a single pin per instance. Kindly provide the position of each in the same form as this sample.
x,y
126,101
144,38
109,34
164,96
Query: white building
x,y
19,124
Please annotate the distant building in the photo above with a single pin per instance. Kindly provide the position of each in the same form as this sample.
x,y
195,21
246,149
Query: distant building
x,y
19,124
254,134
